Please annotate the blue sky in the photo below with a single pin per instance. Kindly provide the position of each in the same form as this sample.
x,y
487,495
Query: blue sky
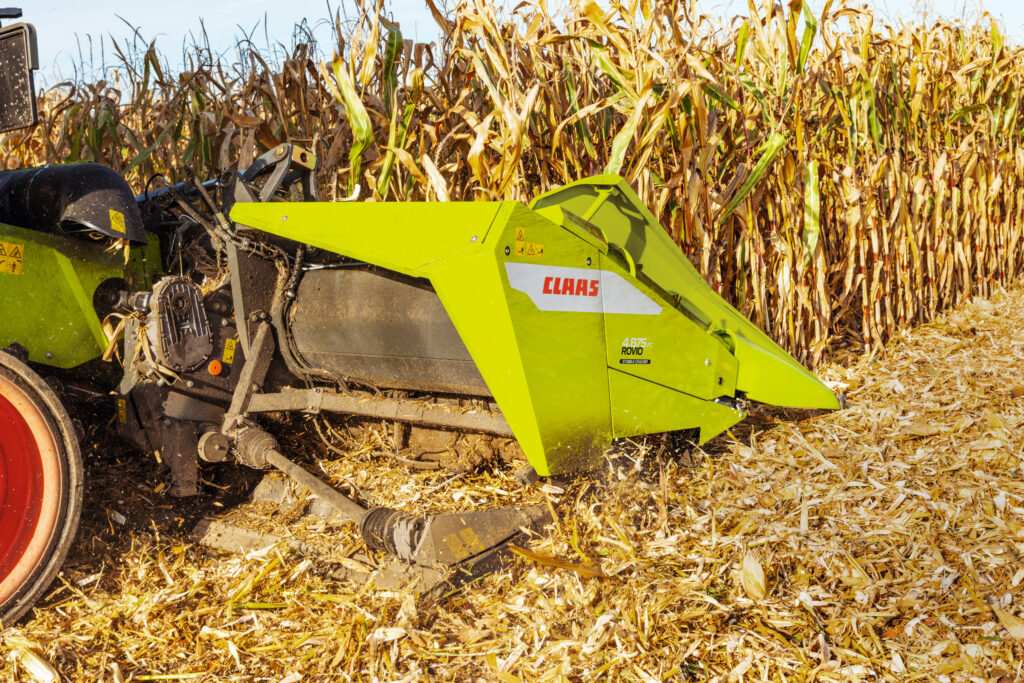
x,y
64,28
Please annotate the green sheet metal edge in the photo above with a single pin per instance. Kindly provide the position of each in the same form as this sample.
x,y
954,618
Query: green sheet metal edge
x,y
766,372
411,238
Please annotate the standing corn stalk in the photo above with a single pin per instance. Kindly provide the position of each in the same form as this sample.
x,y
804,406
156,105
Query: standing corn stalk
x,y
836,180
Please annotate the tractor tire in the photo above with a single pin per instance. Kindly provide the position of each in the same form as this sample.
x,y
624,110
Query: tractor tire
x,y
40,487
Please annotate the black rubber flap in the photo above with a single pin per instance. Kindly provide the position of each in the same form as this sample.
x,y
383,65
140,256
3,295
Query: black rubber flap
x,y
57,198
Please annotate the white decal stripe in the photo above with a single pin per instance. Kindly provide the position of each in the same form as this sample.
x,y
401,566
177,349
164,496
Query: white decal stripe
x,y
622,297
615,293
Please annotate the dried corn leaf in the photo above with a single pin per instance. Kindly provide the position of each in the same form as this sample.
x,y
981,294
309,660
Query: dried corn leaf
x,y
752,577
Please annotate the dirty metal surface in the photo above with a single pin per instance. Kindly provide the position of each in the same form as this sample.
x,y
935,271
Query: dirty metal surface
x,y
399,410
451,538
386,330
17,91
253,281
456,548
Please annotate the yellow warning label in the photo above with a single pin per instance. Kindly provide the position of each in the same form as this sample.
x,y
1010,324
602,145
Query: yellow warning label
x,y
520,234
535,249
464,543
520,248
11,256
122,411
229,350
117,221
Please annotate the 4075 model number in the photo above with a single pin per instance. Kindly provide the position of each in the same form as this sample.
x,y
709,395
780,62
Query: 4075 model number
x,y
634,346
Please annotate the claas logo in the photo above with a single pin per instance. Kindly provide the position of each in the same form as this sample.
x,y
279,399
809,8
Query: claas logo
x,y
571,286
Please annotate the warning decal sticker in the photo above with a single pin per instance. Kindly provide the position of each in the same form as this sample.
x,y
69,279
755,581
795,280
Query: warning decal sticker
x,y
11,256
557,288
117,221
524,248
229,350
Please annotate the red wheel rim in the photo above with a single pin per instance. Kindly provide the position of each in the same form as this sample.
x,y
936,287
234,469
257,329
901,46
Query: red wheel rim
x,y
30,483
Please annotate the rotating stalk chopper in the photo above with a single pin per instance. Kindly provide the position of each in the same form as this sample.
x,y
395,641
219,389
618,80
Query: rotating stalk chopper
x,y
498,329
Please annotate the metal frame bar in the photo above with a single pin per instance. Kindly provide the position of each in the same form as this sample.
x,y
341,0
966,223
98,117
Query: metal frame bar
x,y
414,412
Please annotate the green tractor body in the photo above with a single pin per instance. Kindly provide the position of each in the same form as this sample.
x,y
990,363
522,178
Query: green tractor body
x,y
52,289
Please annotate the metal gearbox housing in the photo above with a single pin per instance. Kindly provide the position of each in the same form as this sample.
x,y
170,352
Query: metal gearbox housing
x,y
184,340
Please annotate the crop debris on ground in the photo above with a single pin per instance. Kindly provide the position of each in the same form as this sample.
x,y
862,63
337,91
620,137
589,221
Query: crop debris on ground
x,y
881,541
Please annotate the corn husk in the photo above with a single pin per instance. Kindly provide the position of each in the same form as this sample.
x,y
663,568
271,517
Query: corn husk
x,y
752,577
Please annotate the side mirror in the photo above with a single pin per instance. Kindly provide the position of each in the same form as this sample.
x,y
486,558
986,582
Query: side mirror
x,y
18,58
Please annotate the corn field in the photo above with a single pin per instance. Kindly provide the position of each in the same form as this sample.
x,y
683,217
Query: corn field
x,y
833,178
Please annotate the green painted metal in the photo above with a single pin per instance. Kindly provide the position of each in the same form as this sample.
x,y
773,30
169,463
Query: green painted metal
x,y
766,372
585,320
47,284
